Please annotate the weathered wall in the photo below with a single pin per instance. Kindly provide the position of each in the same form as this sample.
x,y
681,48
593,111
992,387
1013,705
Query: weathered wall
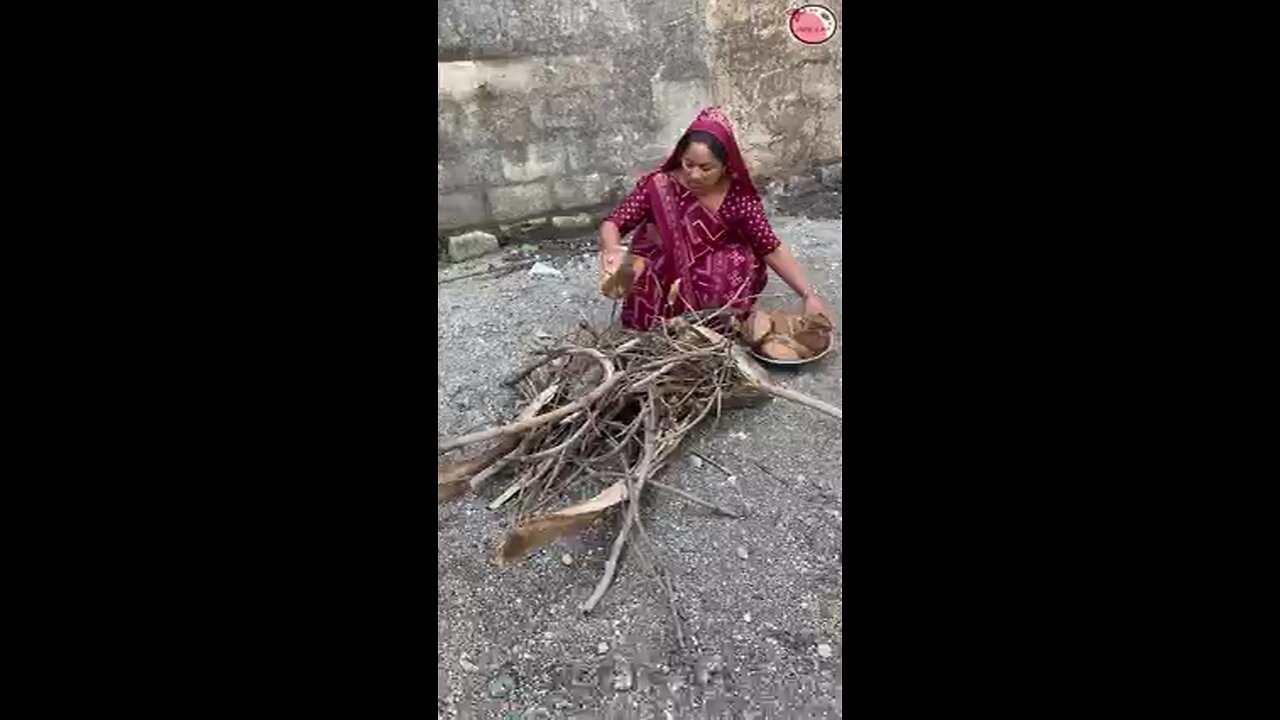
x,y
546,106
785,97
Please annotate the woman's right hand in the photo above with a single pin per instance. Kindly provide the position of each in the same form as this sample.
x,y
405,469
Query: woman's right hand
x,y
611,282
813,306
609,259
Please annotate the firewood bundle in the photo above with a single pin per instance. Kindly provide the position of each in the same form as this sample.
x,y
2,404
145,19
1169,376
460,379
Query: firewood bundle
x,y
602,414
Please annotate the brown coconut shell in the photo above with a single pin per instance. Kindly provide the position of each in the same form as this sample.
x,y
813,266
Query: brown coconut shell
x,y
818,321
617,284
787,324
815,340
758,326
778,347
800,349
815,333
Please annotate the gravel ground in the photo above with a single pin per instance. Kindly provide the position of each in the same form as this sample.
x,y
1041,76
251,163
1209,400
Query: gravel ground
x,y
760,596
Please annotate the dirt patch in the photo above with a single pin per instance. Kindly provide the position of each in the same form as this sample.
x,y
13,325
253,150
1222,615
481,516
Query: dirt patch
x,y
818,205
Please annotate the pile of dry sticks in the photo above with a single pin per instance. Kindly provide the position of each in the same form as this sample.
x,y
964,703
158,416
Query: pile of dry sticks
x,y
603,413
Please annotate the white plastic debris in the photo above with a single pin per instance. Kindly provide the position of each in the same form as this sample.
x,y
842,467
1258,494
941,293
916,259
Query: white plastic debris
x,y
541,269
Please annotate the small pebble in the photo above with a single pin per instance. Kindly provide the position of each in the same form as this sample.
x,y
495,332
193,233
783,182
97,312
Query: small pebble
x,y
733,480
824,650
602,648
695,461
742,552
567,559
746,618
501,686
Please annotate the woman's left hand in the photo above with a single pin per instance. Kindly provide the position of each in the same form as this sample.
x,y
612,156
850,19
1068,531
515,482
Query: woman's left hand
x,y
814,306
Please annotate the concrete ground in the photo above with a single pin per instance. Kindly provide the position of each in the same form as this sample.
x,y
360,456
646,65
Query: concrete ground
x,y
765,629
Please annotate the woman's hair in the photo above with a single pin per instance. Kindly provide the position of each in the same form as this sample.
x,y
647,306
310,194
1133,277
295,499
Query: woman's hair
x,y
706,138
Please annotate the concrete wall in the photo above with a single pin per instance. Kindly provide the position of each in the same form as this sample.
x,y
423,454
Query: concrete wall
x,y
785,97
548,106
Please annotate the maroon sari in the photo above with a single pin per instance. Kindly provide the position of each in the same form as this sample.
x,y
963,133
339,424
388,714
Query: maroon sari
x,y
717,256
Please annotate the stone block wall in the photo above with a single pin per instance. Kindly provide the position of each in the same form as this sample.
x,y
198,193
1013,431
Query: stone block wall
x,y
550,106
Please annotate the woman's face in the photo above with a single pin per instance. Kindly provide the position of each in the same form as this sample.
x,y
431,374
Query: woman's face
x,y
701,166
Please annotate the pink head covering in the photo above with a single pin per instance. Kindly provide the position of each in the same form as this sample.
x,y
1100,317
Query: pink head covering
x,y
712,120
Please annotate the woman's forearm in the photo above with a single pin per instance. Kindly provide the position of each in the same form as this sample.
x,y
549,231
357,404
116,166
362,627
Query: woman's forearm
x,y
610,238
783,263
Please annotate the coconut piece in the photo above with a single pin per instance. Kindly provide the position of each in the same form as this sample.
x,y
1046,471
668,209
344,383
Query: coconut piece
x,y
778,348
799,349
787,324
818,321
815,339
815,332
758,326
617,284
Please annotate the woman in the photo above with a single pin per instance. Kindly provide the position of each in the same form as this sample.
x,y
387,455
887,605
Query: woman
x,y
702,232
